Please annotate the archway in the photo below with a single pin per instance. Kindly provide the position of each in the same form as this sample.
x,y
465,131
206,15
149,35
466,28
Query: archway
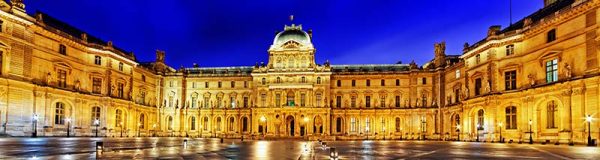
x,y
318,125
290,127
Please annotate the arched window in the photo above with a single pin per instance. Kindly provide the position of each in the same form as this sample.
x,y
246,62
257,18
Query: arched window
x,y
170,123
59,115
218,124
245,124
480,120
95,114
193,123
231,124
338,124
398,127
551,114
119,118
511,117
303,80
278,80
121,66
142,123
205,124
318,80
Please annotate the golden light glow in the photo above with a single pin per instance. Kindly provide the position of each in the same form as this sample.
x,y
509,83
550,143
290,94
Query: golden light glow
x,y
588,118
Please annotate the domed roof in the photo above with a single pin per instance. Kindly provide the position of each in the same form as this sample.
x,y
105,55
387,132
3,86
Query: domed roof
x,y
292,33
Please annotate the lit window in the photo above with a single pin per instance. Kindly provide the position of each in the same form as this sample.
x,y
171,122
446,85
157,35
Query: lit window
x,y
457,74
552,71
510,80
97,85
62,78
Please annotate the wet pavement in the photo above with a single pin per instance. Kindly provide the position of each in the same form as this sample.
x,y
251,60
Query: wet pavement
x,y
196,148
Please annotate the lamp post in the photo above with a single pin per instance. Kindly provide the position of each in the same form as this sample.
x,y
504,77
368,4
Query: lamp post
x,y
263,119
588,118
96,123
500,124
121,126
384,133
34,121
423,127
477,132
138,129
305,124
458,130
530,133
68,127
400,133
154,130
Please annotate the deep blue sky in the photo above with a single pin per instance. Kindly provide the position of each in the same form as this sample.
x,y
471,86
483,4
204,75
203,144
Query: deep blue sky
x,y
235,33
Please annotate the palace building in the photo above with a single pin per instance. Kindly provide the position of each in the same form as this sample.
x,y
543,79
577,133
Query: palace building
x,y
537,77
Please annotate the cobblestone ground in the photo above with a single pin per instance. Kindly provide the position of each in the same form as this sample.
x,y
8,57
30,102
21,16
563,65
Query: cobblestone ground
x,y
174,148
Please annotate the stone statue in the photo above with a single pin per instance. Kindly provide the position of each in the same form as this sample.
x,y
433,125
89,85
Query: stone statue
x,y
531,78
466,94
48,78
77,85
488,88
568,73
440,48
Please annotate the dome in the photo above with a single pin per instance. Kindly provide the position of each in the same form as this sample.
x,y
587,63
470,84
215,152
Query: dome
x,y
290,33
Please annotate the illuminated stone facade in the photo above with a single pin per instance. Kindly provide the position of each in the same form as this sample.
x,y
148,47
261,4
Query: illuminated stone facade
x,y
542,69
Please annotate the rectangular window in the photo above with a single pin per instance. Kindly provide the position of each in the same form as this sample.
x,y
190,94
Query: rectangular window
x,y
194,99
368,82
219,84
193,84
397,82
382,101
552,71
367,101
510,50
62,49
263,99
232,84
383,82
277,100
353,101
353,83
510,80
424,80
551,115
338,101
353,124
245,84
97,85
120,87
302,100
319,98
397,101
477,86
511,117
457,74
205,84
62,78
120,66
98,60
170,83
551,35
339,83
245,101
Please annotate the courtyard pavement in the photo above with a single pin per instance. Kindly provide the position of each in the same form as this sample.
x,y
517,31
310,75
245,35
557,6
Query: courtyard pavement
x,y
197,148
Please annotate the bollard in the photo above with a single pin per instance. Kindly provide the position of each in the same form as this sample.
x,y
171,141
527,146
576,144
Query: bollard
x,y
333,153
185,143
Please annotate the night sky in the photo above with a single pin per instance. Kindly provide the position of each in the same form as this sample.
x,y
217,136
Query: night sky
x,y
239,33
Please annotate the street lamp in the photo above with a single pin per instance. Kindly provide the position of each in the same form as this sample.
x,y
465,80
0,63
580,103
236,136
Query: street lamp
x,y
530,132
588,118
305,126
121,126
400,133
68,127
500,124
263,119
154,130
423,128
138,128
477,132
96,123
34,119
458,130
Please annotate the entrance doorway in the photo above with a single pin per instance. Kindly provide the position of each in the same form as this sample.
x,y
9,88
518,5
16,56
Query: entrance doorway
x,y
290,125
302,131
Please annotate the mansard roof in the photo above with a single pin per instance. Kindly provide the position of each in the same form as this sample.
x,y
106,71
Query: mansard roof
x,y
61,28
220,71
535,17
373,68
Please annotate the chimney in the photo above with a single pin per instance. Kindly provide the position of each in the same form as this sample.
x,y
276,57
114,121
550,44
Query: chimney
x,y
493,30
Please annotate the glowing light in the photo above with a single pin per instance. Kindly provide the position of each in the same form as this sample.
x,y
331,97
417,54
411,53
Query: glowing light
x,y
530,122
96,122
588,118
305,119
500,124
68,119
263,119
